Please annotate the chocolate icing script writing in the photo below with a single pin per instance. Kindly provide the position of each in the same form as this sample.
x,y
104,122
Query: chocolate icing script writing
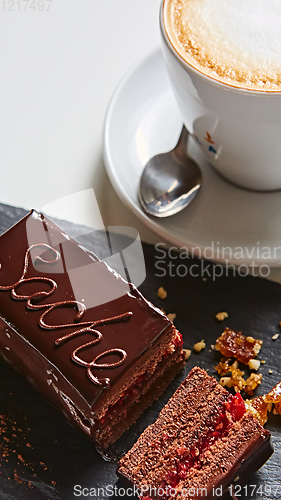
x,y
87,326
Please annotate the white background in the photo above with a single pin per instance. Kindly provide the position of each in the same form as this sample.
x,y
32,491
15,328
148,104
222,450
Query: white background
x,y
59,69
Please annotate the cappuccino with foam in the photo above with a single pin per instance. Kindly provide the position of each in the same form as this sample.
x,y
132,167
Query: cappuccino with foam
x,y
237,42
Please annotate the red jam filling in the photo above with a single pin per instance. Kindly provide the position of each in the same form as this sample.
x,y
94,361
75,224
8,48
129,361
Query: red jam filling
x,y
191,457
133,392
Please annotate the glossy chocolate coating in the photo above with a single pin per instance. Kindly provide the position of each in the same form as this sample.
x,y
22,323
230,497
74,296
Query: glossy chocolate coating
x,y
79,291
260,451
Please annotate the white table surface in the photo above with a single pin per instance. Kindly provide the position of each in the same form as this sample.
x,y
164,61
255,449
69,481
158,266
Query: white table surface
x,y
59,69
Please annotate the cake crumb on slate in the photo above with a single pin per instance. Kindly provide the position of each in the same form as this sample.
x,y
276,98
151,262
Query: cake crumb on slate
x,y
187,354
171,316
161,293
11,437
221,316
199,346
254,364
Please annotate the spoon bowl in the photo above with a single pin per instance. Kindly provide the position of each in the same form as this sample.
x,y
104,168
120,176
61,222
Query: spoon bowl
x,y
170,181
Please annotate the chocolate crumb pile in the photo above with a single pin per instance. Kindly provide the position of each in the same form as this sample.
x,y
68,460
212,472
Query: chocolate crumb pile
x,y
13,442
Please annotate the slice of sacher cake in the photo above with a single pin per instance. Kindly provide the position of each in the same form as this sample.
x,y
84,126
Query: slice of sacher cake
x,y
85,338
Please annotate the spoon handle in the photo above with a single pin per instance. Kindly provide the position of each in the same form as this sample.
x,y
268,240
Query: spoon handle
x,y
181,146
180,150
183,138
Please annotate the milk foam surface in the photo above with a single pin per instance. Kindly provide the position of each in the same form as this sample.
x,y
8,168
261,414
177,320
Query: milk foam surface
x,y
235,41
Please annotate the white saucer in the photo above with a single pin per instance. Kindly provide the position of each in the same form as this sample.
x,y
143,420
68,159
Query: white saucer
x,y
142,120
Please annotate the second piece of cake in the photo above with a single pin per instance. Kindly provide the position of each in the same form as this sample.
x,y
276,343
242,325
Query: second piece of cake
x,y
203,442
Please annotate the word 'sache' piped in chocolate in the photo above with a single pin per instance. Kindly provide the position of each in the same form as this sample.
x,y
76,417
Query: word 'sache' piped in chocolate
x,y
52,291
88,325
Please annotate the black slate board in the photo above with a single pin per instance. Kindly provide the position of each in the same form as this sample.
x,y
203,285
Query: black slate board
x,y
36,440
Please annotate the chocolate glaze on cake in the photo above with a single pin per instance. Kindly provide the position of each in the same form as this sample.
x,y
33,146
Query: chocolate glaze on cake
x,y
202,440
87,339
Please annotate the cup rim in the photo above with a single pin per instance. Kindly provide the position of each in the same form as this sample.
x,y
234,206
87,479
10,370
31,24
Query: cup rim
x,y
201,74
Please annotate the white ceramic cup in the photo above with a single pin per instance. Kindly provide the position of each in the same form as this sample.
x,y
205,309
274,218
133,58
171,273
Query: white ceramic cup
x,y
238,130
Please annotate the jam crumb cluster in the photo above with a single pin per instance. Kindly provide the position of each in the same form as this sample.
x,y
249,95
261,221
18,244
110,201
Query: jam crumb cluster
x,y
235,377
263,404
244,349
235,345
